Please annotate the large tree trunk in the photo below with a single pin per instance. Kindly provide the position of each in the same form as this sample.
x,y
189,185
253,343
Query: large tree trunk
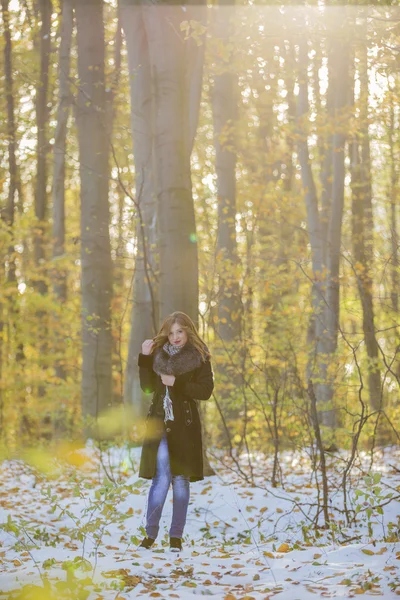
x,y
95,240
145,310
112,86
393,189
196,11
7,213
311,201
328,339
176,225
393,193
325,145
44,11
224,103
362,232
42,115
325,224
225,112
60,144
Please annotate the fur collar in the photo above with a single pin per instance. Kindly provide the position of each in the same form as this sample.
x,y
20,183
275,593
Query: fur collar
x,y
187,359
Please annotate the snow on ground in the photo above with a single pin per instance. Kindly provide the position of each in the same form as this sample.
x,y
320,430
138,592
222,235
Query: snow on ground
x,y
240,541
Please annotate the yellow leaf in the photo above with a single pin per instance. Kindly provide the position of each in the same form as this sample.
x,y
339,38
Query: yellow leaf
x,y
16,562
284,548
369,552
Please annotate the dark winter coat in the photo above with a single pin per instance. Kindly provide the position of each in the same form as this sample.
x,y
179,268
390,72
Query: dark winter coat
x,y
193,381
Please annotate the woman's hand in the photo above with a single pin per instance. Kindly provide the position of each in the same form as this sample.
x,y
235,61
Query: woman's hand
x,y
147,346
167,379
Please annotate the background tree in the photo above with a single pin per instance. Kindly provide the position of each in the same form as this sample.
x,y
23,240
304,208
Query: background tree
x,y
95,240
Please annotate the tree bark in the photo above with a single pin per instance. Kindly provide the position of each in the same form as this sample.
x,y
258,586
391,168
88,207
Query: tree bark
x,y
393,193
60,144
176,221
362,225
9,211
225,112
59,275
328,340
95,240
145,309
7,214
325,223
311,199
225,99
42,116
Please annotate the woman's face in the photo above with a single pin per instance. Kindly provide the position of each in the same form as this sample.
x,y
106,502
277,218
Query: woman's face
x,y
177,335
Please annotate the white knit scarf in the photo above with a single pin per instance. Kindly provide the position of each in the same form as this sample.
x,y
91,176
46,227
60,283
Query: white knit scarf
x,y
170,349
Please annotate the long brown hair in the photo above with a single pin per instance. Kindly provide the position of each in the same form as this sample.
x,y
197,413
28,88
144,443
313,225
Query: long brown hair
x,y
187,324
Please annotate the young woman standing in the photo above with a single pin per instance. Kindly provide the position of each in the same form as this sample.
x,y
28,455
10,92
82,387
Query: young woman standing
x,y
175,367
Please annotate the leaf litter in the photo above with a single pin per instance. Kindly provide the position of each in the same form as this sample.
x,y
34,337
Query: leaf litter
x,y
240,543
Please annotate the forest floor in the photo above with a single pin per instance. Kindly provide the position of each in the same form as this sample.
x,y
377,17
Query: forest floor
x,y
73,534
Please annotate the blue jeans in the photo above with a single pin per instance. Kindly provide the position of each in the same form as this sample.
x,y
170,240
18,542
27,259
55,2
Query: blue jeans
x,y
158,493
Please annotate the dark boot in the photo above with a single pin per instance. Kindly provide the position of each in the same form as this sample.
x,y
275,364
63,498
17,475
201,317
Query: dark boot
x,y
175,544
147,543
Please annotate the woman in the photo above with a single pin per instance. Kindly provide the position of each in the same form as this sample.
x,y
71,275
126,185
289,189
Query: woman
x,y
175,367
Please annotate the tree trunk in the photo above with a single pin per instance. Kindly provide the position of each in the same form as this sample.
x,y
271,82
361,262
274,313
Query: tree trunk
x,y
60,139
196,10
362,232
42,115
393,192
145,309
224,103
225,112
7,214
95,240
311,201
60,144
325,143
328,339
176,224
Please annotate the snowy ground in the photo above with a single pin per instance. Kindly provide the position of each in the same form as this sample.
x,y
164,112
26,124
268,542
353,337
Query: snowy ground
x,y
240,542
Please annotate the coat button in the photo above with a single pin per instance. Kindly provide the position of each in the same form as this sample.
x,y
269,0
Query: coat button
x,y
168,430
187,411
188,421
